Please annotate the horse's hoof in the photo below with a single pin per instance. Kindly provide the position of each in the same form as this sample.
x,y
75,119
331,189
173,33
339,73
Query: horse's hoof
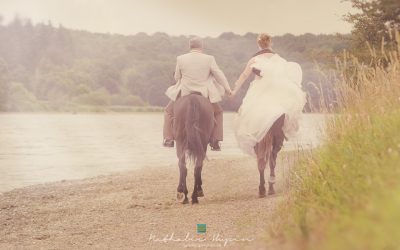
x,y
180,197
261,191
271,191
196,201
200,193
185,201
272,180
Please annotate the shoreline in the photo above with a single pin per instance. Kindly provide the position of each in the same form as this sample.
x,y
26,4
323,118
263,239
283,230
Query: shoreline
x,y
119,173
124,210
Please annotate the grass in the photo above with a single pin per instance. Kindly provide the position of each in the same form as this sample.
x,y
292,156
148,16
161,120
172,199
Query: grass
x,y
346,194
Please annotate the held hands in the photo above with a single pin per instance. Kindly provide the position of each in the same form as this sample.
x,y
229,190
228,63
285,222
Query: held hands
x,y
234,92
232,95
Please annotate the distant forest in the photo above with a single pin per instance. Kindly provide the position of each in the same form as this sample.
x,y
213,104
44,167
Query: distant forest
x,y
43,67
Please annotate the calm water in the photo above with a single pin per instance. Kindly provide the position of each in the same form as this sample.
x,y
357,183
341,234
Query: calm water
x,y
37,148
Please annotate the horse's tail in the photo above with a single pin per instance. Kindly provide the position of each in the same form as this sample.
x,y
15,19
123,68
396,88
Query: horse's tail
x,y
195,147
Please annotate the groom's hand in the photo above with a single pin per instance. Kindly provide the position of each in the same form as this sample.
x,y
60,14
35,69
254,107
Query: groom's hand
x,y
232,96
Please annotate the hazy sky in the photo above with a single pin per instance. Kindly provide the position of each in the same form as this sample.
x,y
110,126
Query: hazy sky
x,y
176,17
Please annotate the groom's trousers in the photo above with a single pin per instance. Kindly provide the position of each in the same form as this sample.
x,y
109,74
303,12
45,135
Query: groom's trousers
x,y
169,120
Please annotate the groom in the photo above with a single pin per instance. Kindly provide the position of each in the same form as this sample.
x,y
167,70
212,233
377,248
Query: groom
x,y
197,72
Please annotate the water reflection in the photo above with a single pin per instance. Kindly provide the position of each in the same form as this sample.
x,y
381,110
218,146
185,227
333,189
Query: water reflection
x,y
37,148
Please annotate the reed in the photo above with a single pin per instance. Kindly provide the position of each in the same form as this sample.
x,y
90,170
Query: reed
x,y
346,194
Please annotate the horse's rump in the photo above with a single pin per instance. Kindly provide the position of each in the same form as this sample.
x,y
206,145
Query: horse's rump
x,y
193,125
263,147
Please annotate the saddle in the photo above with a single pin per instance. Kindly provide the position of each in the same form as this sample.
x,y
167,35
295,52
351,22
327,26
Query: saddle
x,y
192,93
195,93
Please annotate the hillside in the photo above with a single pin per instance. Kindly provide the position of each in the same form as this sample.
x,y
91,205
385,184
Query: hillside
x,y
50,68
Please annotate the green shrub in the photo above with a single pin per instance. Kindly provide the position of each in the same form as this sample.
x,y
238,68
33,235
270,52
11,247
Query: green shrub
x,y
20,99
127,100
99,97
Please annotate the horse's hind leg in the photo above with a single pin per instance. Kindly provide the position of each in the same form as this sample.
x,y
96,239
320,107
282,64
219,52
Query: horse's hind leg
x,y
182,190
197,190
272,165
200,192
277,142
261,167
271,180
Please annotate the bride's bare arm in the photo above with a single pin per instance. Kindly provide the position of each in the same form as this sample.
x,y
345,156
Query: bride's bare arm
x,y
243,77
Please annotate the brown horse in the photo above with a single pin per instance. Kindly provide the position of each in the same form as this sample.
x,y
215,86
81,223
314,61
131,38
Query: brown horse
x,y
267,151
193,126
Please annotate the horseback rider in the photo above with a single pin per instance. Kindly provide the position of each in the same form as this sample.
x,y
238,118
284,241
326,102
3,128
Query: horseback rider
x,y
197,72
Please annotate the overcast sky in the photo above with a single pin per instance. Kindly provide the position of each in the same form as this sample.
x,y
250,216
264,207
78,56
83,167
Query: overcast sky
x,y
184,17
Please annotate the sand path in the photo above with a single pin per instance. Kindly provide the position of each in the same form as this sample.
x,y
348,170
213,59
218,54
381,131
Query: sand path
x,y
137,209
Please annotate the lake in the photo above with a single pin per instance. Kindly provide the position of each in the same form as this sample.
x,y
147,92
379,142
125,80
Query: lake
x,y
38,148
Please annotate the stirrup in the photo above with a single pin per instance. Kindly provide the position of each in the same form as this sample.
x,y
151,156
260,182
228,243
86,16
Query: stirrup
x,y
215,146
168,143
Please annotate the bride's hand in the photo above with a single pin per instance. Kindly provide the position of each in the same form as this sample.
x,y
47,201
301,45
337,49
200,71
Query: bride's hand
x,y
232,95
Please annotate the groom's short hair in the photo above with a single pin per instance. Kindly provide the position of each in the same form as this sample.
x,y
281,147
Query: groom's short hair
x,y
196,43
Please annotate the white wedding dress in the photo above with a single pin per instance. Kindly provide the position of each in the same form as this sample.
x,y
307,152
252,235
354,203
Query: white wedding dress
x,y
276,92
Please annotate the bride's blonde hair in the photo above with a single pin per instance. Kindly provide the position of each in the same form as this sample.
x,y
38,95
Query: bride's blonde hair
x,y
264,40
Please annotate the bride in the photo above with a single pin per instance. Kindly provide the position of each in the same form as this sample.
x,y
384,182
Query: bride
x,y
275,92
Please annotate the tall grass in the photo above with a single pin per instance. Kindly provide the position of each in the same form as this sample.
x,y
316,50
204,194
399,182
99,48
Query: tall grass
x,y
346,195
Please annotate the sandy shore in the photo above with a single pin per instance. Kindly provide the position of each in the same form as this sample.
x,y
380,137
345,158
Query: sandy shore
x,y
137,209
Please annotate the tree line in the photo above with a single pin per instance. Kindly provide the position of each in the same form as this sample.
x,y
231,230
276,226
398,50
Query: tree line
x,y
43,67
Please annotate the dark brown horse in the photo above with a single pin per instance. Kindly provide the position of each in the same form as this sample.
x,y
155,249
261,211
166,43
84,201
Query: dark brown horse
x,y
267,151
193,126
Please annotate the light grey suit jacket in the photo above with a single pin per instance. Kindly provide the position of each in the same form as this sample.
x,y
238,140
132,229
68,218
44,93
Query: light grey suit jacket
x,y
198,72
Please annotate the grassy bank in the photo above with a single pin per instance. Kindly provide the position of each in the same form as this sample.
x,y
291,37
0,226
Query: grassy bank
x,y
346,195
